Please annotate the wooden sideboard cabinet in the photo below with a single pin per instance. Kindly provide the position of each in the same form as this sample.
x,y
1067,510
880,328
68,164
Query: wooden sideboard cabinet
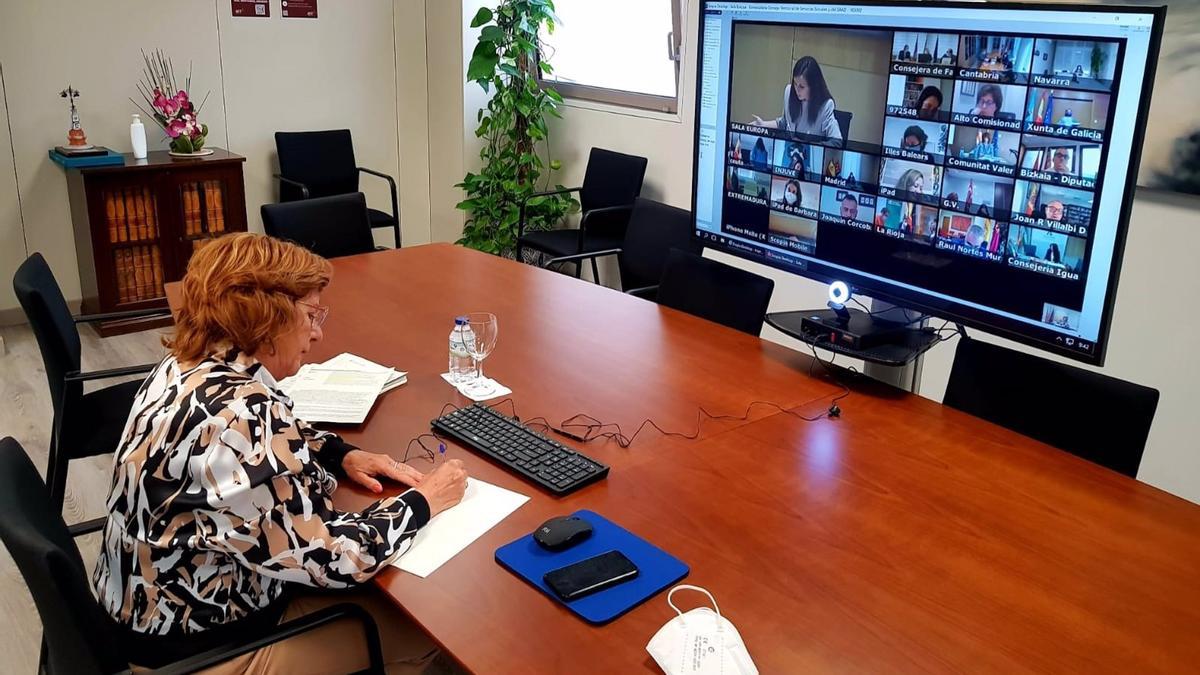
x,y
137,225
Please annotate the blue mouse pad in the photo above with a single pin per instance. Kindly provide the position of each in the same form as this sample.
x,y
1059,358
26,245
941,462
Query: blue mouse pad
x,y
657,569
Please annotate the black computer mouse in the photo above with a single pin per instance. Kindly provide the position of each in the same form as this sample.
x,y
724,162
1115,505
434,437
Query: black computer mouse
x,y
563,532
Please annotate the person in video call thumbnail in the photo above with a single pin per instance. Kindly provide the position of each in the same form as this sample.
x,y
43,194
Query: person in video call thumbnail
x,y
988,101
758,156
807,104
911,181
1059,161
929,103
798,162
850,207
1054,211
1053,255
914,139
791,194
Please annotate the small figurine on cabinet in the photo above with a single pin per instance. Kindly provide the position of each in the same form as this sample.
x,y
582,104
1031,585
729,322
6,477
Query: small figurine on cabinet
x,y
75,137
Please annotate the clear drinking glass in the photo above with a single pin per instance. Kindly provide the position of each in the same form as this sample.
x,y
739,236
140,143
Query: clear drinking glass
x,y
487,330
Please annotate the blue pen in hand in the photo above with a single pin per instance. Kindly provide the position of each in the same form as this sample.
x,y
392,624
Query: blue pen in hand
x,y
442,451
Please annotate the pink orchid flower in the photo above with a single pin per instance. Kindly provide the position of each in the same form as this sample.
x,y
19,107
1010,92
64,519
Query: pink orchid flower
x,y
163,104
176,128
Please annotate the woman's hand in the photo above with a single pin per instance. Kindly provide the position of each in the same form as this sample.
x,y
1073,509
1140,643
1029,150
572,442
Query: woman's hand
x,y
758,121
362,467
444,486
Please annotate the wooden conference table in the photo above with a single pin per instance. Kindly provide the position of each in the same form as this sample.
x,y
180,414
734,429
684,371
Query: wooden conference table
x,y
902,537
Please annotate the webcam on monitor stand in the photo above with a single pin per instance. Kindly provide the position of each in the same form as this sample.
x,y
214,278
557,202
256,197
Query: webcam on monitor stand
x,y
887,336
839,295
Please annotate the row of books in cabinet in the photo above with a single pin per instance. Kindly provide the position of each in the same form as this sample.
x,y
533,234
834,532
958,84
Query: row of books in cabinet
x,y
131,213
203,208
139,273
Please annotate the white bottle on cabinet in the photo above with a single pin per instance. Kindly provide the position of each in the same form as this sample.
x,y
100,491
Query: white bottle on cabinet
x,y
137,136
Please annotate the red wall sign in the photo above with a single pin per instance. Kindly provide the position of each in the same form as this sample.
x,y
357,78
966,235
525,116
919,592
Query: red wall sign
x,y
299,9
252,8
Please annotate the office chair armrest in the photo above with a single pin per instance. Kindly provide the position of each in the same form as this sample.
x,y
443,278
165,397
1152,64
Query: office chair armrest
x,y
645,292
604,211
391,181
580,257
544,193
76,376
395,198
285,631
117,316
294,183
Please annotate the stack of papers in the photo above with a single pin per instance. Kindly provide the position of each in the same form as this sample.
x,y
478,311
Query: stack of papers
x,y
341,390
482,507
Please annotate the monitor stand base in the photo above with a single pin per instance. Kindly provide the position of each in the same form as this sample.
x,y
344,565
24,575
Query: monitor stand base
x,y
857,334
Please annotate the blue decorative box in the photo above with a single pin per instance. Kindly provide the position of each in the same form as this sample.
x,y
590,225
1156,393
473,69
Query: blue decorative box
x,y
109,159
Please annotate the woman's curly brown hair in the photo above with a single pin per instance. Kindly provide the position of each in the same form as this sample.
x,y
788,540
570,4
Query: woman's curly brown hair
x,y
240,291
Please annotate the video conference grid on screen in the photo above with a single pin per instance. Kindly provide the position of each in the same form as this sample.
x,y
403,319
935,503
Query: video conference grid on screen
x,y
989,150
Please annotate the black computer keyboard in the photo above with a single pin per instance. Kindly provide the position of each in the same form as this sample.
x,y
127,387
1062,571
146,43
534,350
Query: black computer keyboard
x,y
519,449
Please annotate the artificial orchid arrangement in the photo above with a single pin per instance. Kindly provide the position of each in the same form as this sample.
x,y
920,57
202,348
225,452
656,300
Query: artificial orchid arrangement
x,y
172,107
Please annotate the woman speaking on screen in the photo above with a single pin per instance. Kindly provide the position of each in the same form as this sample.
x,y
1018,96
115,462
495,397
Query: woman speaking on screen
x,y
807,104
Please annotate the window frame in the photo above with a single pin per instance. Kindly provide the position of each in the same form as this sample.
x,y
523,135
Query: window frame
x,y
633,99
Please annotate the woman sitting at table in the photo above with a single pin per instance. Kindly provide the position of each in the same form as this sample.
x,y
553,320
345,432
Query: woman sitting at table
x,y
221,509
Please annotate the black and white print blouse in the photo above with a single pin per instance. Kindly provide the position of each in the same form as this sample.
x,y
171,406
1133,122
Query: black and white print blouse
x,y
221,499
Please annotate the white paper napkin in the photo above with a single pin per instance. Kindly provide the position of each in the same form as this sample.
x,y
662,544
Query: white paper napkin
x,y
498,390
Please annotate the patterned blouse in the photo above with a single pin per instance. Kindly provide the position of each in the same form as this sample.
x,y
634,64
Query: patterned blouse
x,y
221,499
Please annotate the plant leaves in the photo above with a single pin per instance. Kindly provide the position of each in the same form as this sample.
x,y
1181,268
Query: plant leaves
x,y
483,16
492,34
483,62
506,63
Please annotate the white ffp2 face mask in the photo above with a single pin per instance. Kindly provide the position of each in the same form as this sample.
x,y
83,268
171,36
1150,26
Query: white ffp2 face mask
x,y
700,642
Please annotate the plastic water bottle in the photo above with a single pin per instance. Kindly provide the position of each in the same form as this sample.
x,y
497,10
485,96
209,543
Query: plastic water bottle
x,y
137,137
462,342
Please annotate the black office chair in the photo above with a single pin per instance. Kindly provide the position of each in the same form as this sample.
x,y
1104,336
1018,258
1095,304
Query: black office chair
x,y
78,633
321,164
715,291
613,180
654,229
843,118
328,226
1096,417
85,425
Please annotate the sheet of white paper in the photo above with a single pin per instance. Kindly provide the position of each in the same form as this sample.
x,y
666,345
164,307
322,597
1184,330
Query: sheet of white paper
x,y
341,396
483,506
347,361
498,389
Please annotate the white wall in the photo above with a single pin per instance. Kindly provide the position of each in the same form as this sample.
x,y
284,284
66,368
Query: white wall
x,y
104,63
338,71
12,234
362,65
447,72
1158,283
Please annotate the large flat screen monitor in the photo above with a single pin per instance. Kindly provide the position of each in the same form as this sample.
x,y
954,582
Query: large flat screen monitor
x,y
974,161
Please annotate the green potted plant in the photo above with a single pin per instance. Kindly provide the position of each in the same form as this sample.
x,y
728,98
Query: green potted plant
x,y
506,64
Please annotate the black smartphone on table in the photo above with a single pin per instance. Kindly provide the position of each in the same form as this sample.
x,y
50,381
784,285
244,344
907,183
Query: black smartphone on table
x,y
591,575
